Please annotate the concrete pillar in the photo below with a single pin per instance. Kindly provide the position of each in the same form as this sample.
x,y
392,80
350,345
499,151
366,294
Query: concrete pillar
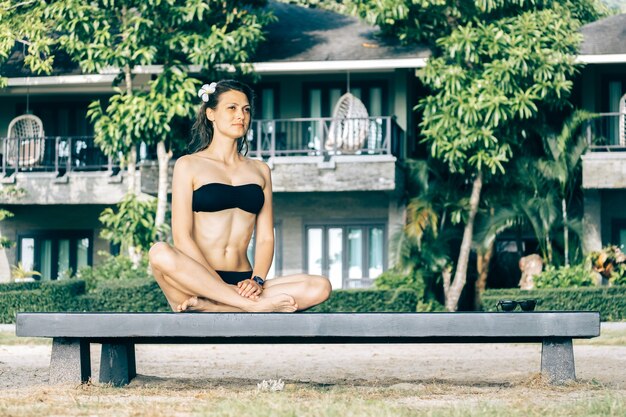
x,y
557,360
70,361
592,235
117,363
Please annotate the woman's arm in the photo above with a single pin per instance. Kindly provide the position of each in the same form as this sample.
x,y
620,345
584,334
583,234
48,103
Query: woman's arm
x,y
182,213
264,234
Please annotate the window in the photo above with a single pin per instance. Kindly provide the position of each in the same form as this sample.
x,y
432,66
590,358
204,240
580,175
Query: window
x,y
55,254
351,255
320,99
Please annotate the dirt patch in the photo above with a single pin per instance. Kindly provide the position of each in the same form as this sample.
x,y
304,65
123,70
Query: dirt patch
x,y
472,365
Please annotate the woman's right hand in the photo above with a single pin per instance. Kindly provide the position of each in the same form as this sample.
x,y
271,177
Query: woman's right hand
x,y
249,289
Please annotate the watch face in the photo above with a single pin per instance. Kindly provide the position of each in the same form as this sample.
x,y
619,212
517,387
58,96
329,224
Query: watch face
x,y
258,280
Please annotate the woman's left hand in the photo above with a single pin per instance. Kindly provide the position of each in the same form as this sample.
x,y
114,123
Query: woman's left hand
x,y
249,289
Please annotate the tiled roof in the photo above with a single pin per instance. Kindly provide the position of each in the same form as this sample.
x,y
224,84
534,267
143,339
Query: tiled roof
x,y
304,34
606,36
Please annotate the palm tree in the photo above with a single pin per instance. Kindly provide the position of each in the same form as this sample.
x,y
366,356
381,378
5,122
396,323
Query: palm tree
x,y
563,164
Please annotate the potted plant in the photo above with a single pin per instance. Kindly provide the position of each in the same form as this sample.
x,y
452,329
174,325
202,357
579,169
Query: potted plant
x,y
610,263
20,274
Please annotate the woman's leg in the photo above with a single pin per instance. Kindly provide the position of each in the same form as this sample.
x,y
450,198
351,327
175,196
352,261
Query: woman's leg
x,y
181,301
182,275
307,290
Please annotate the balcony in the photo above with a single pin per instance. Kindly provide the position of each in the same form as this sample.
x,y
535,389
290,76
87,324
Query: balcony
x,y
305,154
320,154
607,132
60,155
324,136
60,170
604,167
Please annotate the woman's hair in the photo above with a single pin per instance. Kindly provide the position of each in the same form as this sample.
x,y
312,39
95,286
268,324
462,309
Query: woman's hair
x,y
202,129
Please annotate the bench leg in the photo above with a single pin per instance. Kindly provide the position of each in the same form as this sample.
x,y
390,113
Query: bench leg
x,y
117,363
70,361
557,360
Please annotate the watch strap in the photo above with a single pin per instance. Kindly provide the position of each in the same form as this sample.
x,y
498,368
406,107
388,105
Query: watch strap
x,y
258,280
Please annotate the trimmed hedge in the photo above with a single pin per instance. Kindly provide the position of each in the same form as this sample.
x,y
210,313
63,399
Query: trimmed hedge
x,y
127,296
19,286
46,296
609,301
363,301
146,296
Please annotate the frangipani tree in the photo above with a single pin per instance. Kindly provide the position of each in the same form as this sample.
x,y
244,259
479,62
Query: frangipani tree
x,y
127,36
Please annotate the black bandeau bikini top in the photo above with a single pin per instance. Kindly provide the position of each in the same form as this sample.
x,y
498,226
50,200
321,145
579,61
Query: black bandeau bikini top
x,y
216,196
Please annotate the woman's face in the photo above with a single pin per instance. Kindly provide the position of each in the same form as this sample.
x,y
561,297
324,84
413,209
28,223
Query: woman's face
x,y
231,117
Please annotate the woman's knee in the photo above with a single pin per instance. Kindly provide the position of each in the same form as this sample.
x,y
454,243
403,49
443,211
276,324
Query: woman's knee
x,y
322,286
161,256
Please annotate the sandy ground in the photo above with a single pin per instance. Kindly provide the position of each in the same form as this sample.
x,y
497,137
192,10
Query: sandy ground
x,y
384,364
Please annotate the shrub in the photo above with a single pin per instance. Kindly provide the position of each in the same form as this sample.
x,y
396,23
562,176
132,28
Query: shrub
x,y
392,280
137,295
40,296
361,301
113,268
565,277
609,301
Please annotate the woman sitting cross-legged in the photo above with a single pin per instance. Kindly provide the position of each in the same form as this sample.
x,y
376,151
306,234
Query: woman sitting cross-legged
x,y
219,197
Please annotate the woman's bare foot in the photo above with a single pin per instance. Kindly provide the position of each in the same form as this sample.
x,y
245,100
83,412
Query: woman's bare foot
x,y
196,304
280,303
206,306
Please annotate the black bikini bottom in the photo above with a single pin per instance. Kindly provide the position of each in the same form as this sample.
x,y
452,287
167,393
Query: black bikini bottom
x,y
233,277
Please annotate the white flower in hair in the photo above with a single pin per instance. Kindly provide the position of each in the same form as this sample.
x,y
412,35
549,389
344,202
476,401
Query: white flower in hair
x,y
206,90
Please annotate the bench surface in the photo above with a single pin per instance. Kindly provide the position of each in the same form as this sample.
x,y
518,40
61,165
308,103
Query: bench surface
x,y
311,327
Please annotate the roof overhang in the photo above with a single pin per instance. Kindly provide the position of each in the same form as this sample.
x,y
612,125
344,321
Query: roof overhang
x,y
602,59
107,75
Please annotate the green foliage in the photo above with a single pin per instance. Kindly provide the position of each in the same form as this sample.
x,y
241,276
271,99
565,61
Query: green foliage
x,y
427,20
35,297
132,224
19,286
565,277
361,301
113,269
133,295
489,78
609,301
392,280
139,294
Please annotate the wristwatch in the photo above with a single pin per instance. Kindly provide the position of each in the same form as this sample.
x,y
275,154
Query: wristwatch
x,y
258,280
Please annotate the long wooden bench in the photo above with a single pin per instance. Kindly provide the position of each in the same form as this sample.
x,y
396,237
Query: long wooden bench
x,y
118,333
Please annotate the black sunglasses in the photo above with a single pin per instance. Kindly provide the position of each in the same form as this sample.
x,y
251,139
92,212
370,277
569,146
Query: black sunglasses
x,y
510,305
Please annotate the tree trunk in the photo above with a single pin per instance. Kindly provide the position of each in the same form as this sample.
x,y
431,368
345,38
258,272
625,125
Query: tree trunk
x,y
460,275
132,156
131,168
565,232
135,255
482,266
164,158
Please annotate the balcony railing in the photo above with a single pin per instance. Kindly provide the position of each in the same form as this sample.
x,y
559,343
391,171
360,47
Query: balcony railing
x,y
607,132
59,154
268,138
325,136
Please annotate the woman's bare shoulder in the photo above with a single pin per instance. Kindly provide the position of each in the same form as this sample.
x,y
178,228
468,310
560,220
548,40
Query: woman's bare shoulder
x,y
259,165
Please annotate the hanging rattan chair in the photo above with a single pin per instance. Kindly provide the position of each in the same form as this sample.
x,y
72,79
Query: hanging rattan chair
x,y
25,141
349,127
